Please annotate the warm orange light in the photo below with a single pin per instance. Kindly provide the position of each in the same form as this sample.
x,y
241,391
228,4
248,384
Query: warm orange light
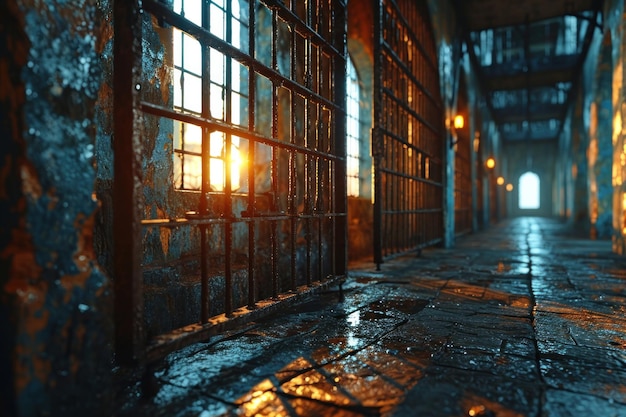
x,y
459,122
218,169
491,163
509,187
500,180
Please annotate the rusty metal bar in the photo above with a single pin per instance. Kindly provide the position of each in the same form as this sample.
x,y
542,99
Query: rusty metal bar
x,y
378,148
340,195
293,169
206,174
251,209
275,191
127,183
228,206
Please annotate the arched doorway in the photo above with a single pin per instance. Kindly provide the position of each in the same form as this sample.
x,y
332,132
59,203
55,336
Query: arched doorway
x,y
529,188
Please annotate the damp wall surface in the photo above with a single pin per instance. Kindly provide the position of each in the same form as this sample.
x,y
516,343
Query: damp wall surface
x,y
55,319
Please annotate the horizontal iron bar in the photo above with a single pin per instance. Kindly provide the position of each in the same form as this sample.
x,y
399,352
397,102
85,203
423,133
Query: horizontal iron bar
x,y
170,342
416,211
403,175
198,221
392,135
216,125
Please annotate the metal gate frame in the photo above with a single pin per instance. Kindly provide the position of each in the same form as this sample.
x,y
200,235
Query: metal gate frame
x,y
322,31
407,138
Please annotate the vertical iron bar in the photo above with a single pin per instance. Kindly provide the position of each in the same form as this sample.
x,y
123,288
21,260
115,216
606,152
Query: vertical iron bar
x,y
308,175
377,134
275,188
127,183
251,160
228,198
320,177
206,171
340,198
293,183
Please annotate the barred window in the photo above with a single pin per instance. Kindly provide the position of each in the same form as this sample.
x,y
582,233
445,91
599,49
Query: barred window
x,y
222,99
352,129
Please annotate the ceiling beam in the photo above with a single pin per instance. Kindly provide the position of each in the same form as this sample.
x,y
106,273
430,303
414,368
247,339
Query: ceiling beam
x,y
518,115
532,80
491,14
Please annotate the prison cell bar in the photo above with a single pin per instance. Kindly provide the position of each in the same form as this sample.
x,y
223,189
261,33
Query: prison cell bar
x,y
206,179
335,161
408,204
127,183
251,208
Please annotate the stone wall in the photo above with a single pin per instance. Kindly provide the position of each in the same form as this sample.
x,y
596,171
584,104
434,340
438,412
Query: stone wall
x,y
55,320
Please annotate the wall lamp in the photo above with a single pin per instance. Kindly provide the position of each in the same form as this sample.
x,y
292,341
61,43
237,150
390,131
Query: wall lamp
x,y
457,123
500,180
490,163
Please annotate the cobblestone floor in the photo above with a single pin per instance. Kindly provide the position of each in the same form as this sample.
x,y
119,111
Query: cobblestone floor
x,y
524,319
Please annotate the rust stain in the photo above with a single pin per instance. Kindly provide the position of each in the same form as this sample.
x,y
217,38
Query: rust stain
x,y
147,210
33,319
53,199
30,183
106,34
23,269
164,72
70,281
84,253
149,176
105,96
164,232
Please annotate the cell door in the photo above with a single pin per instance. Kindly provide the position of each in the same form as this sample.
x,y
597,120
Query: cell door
x,y
408,137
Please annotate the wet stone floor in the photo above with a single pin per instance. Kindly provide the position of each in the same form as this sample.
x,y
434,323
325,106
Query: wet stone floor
x,y
524,319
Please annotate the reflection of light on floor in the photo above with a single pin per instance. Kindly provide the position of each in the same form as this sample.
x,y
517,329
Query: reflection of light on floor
x,y
479,406
353,320
368,382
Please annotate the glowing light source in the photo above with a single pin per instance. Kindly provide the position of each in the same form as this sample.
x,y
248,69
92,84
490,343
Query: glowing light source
x,y
500,180
218,169
509,187
491,163
459,122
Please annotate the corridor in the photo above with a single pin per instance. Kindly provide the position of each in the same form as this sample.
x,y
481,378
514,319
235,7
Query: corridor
x,y
523,319
214,207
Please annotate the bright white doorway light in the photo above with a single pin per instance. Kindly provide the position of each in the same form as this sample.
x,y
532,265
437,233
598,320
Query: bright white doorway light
x,y
529,191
